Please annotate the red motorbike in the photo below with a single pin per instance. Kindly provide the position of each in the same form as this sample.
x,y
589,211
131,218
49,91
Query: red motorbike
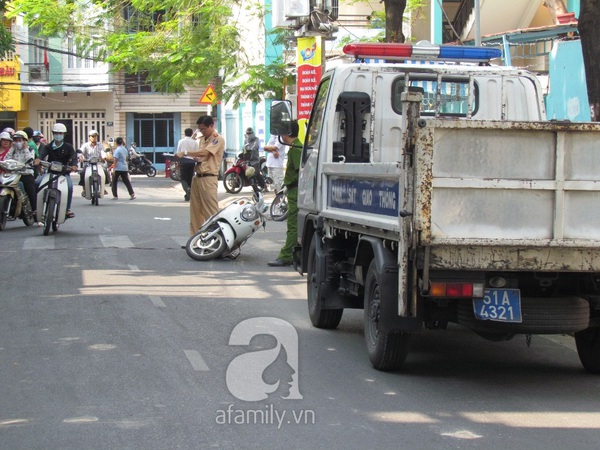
x,y
235,178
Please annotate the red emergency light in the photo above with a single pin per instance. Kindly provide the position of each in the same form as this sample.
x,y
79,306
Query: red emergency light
x,y
421,51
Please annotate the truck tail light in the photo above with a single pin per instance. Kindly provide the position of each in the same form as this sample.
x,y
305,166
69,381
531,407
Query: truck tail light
x,y
456,289
422,50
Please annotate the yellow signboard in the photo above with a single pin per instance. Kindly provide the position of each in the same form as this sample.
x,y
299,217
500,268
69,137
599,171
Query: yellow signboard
x,y
10,86
209,97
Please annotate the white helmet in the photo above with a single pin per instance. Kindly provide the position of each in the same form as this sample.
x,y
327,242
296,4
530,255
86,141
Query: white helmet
x,y
6,135
21,134
250,172
92,133
59,128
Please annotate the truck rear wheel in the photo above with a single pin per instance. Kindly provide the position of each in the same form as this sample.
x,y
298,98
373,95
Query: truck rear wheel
x,y
320,317
588,348
387,350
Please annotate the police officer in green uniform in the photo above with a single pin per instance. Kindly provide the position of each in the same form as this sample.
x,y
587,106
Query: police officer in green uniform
x,y
290,181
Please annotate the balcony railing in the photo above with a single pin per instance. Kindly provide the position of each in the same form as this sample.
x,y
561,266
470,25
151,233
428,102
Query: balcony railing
x,y
37,73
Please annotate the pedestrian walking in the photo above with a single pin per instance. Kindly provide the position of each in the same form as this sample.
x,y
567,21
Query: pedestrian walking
x,y
121,169
203,194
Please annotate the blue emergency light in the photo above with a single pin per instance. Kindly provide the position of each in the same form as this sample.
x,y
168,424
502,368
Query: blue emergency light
x,y
421,51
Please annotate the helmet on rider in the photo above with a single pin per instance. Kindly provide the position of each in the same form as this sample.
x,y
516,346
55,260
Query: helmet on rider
x,y
9,131
20,138
5,136
93,133
20,134
59,128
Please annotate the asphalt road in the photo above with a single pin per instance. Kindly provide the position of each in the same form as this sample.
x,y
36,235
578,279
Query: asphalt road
x,y
111,337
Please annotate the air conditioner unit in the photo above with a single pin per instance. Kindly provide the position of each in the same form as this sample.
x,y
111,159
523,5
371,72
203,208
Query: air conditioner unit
x,y
296,8
331,8
35,73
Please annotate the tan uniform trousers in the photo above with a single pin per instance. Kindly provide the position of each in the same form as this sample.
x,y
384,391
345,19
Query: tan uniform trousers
x,y
203,201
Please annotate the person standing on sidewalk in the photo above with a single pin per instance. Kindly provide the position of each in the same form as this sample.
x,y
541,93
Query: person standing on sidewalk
x,y
187,163
121,169
290,181
275,156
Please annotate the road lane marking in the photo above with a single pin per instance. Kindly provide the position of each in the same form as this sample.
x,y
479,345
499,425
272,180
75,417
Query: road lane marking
x,y
157,301
196,360
39,243
133,268
83,419
116,241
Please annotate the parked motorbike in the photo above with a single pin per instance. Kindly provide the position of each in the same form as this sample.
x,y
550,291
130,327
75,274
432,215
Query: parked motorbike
x,y
14,203
174,173
235,177
279,206
52,196
139,164
94,180
222,235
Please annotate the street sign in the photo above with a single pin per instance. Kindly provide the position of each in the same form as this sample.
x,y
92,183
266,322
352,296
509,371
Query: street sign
x,y
209,95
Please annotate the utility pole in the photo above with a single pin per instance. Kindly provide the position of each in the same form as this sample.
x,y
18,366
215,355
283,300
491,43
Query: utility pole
x,y
477,23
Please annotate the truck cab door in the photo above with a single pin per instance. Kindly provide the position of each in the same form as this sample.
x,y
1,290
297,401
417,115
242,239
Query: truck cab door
x,y
314,141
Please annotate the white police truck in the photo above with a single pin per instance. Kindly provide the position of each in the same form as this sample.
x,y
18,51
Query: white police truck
x,y
438,193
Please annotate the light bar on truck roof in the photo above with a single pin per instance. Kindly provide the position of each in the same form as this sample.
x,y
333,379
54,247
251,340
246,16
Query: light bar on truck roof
x,y
422,51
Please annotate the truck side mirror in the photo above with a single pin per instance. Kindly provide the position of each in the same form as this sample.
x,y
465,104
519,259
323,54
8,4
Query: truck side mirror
x,y
281,118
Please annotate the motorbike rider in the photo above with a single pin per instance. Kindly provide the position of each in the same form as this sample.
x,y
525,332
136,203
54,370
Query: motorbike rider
x,y
251,154
9,130
59,150
91,149
134,157
38,140
21,152
6,142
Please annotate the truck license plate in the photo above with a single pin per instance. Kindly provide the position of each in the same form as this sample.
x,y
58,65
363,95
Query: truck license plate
x,y
499,305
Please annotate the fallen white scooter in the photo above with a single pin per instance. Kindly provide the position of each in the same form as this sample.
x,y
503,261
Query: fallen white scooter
x,y
222,235
94,180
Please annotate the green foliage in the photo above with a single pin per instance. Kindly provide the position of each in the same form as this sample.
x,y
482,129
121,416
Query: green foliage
x,y
6,42
260,81
178,43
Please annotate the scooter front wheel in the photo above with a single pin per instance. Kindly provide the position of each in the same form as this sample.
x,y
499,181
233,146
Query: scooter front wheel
x,y
233,183
206,244
151,171
279,207
95,192
49,215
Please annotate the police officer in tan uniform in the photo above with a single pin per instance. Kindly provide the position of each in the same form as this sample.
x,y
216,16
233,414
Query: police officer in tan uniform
x,y
203,193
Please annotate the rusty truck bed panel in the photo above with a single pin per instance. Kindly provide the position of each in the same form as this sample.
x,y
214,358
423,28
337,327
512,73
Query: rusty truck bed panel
x,y
519,184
